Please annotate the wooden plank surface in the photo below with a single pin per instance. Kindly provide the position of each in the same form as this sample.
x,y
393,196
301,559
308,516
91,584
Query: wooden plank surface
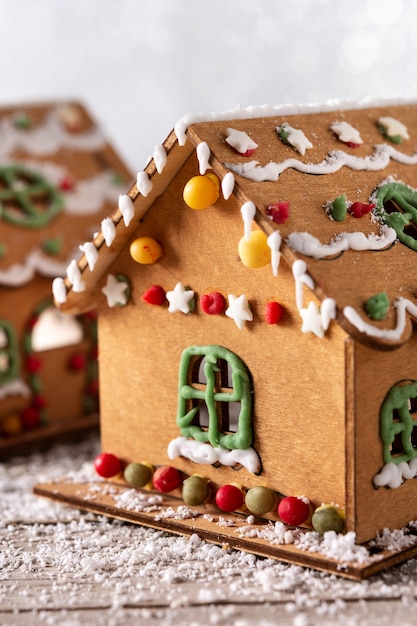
x,y
61,566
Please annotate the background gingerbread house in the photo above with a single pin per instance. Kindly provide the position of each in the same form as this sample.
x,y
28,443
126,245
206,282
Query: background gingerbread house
x,y
58,177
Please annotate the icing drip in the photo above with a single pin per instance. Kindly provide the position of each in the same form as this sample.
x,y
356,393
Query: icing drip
x,y
206,454
126,208
35,262
47,138
307,244
91,254
248,211
160,158
274,243
403,305
315,320
228,184
59,290
108,230
335,160
203,156
143,184
74,276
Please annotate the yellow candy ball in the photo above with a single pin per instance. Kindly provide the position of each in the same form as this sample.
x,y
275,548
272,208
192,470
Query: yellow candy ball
x,y
255,252
145,250
11,425
201,191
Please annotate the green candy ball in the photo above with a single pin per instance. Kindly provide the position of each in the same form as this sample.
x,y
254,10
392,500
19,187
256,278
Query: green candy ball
x,y
260,500
137,474
327,518
195,490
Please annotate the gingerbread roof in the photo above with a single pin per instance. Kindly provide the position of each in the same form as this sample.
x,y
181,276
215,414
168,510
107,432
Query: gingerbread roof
x,y
345,175
58,178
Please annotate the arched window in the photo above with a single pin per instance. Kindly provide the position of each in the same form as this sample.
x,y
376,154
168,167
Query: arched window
x,y
215,397
398,418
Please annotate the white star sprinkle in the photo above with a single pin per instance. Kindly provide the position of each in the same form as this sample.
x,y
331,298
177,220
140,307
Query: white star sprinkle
x,y
296,138
312,322
393,128
240,141
115,291
179,299
346,132
239,310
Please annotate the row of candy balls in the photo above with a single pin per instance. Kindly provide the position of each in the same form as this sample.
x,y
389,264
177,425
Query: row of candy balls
x,y
259,500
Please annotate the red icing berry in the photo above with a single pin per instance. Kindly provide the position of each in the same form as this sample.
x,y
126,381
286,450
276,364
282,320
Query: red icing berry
x,y
278,212
78,361
213,303
107,465
154,295
39,402
166,479
273,312
229,498
33,364
353,145
30,417
293,511
66,184
359,209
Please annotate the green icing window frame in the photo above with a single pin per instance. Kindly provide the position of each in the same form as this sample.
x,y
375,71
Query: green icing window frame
x,y
9,351
404,218
214,397
397,423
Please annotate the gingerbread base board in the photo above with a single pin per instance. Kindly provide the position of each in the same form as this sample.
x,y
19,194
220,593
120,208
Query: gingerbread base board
x,y
41,438
212,525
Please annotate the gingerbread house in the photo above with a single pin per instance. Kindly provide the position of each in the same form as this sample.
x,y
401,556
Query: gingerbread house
x,y
58,178
256,298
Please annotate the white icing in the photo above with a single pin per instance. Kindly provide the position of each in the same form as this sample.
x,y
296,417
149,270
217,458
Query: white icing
x,y
274,243
115,291
59,290
248,211
206,454
334,161
16,387
307,244
74,276
126,208
89,195
160,158
35,262
346,132
392,475
403,305
91,253
239,310
46,138
296,138
228,185
393,127
54,330
108,230
143,184
179,299
315,319
240,141
203,156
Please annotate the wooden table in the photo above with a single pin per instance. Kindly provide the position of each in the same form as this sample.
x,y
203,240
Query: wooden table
x,y
60,566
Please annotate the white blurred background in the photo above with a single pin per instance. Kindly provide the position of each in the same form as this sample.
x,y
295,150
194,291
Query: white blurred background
x,y
139,65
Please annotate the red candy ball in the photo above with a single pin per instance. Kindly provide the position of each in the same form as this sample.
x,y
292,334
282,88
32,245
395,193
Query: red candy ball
x,y
213,303
229,498
273,312
154,295
107,465
359,209
30,417
166,479
293,511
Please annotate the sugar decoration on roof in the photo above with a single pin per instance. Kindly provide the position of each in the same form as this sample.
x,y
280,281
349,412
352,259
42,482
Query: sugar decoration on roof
x,y
241,142
392,129
347,134
294,137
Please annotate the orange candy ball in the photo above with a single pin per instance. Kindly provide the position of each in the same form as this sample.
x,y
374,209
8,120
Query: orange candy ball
x,y
145,250
201,191
254,252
